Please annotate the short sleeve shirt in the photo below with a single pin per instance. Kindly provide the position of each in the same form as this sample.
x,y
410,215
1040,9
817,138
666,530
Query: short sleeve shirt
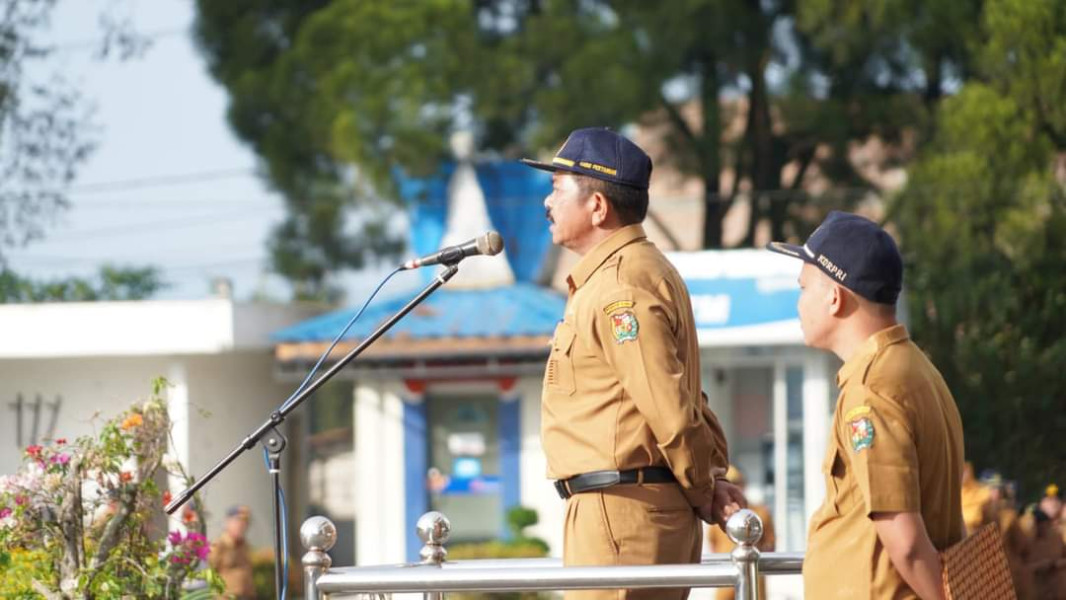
x,y
896,445
622,383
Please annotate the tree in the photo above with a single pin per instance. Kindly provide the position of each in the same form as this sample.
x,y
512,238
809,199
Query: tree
x,y
336,96
983,224
110,284
45,134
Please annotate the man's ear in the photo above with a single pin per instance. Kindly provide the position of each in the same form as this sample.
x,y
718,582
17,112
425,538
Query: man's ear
x,y
837,298
601,208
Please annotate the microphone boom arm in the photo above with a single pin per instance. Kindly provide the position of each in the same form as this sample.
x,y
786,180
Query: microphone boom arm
x,y
278,416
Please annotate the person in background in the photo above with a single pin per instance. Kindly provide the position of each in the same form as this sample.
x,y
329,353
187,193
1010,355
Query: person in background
x,y
719,542
1001,509
1046,559
974,499
231,556
893,466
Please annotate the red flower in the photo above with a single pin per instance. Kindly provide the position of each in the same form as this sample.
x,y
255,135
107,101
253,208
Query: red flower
x,y
125,477
61,441
188,516
34,451
166,497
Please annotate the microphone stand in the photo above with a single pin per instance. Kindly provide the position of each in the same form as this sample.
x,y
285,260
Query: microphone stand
x,y
275,444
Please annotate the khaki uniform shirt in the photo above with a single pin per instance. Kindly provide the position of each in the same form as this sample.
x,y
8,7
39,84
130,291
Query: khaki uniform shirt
x,y
232,560
622,384
896,446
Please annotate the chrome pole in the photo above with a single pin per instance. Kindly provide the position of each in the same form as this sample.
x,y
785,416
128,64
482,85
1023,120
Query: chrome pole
x,y
318,535
745,529
433,529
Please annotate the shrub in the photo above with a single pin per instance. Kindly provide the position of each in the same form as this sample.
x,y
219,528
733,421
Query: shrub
x,y
82,519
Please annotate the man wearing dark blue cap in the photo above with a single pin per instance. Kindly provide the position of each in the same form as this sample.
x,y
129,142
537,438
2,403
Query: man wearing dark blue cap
x,y
894,463
629,439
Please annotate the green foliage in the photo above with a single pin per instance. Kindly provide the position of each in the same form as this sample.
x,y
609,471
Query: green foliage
x,y
983,221
336,96
520,546
111,283
18,568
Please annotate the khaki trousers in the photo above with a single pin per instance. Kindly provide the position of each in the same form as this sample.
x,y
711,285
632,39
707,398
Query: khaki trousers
x,y
649,524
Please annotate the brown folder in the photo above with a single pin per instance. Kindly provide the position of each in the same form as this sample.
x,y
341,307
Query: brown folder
x,y
976,568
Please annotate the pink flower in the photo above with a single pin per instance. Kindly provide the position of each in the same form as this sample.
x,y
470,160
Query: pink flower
x,y
20,500
34,451
174,537
5,512
60,459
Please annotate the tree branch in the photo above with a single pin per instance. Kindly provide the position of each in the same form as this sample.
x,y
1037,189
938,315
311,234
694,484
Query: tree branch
x,y
679,122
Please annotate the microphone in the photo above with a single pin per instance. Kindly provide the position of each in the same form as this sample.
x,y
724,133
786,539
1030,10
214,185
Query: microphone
x,y
489,244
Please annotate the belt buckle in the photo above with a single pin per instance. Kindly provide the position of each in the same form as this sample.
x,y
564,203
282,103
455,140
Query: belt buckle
x,y
561,489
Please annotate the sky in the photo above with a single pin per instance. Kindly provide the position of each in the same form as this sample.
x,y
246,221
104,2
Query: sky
x,y
169,184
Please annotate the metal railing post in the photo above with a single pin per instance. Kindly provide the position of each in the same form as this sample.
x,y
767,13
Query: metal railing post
x,y
433,529
318,535
745,529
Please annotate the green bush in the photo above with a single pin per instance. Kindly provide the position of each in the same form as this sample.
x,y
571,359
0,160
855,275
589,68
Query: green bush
x,y
520,546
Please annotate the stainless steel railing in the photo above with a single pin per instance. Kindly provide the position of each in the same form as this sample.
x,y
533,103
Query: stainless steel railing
x,y
435,575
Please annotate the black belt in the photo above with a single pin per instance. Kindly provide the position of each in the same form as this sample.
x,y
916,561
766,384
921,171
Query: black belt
x,y
597,480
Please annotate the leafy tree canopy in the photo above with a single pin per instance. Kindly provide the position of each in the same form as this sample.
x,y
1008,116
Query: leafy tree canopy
x,y
335,96
983,221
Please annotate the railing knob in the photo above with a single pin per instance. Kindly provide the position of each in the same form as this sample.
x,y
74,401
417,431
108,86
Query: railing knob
x,y
744,528
433,529
318,533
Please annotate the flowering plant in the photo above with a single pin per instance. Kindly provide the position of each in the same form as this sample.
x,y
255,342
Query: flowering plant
x,y
90,512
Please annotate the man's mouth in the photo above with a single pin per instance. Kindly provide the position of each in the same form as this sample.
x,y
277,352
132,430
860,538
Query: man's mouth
x,y
548,215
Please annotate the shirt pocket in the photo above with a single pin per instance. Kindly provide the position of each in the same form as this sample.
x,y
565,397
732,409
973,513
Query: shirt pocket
x,y
559,375
833,469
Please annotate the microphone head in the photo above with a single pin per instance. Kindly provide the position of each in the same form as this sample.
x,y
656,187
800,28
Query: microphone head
x,y
490,244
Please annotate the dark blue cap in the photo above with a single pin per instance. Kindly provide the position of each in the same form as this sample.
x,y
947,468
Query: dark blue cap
x,y
601,153
856,253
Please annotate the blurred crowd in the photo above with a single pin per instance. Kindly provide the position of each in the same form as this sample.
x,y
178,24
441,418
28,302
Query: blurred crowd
x,y
1034,535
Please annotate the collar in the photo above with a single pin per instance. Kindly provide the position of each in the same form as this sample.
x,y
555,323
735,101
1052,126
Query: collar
x,y
592,260
874,344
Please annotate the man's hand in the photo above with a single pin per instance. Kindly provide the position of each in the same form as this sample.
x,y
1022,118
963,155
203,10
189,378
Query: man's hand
x,y
728,499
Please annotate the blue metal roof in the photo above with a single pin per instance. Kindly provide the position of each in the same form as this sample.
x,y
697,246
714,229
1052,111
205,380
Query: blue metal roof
x,y
521,309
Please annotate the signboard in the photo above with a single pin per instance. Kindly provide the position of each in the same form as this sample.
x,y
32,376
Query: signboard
x,y
742,297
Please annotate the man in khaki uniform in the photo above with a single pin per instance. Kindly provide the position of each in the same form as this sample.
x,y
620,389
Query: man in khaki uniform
x,y
894,463
230,556
629,440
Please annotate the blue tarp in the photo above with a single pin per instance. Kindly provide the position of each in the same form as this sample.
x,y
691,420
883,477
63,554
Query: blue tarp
x,y
514,198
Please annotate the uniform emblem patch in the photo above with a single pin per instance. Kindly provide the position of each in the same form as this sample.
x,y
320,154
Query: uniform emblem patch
x,y
862,434
624,326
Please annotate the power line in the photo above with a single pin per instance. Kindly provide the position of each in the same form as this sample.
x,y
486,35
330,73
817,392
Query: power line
x,y
153,226
160,181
